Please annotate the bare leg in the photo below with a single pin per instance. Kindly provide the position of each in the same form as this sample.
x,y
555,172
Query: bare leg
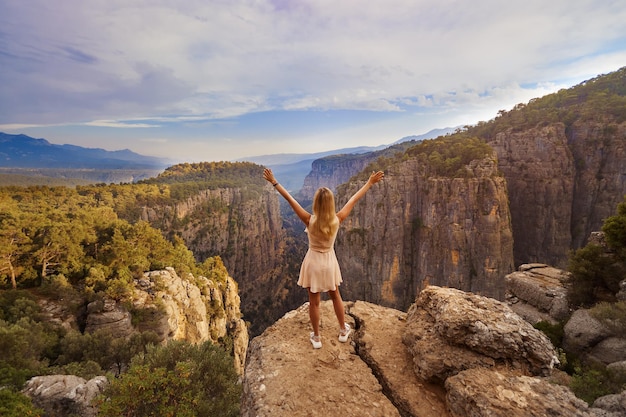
x,y
314,311
335,296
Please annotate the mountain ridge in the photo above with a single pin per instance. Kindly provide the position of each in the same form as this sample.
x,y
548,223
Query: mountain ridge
x,y
23,151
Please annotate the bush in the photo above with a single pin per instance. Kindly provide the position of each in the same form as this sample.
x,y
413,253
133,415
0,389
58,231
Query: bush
x,y
612,315
553,331
14,404
593,382
177,379
594,275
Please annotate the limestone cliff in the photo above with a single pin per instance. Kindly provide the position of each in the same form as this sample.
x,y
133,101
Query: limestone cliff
x,y
562,183
453,354
196,309
414,228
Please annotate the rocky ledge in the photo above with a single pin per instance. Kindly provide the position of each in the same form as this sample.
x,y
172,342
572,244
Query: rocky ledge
x,y
453,354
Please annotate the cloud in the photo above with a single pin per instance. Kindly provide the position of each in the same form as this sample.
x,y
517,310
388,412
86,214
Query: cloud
x,y
109,63
119,124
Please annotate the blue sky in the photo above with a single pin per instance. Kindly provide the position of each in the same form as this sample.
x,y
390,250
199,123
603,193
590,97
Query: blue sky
x,y
221,80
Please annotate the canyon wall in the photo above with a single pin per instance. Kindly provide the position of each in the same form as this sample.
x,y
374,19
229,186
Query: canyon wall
x,y
245,229
333,171
562,184
414,228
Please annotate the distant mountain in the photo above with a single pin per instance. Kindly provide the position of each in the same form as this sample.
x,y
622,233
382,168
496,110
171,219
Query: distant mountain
x,y
292,168
296,158
431,134
21,151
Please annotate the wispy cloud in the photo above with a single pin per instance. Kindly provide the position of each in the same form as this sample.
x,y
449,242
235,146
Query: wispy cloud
x,y
119,124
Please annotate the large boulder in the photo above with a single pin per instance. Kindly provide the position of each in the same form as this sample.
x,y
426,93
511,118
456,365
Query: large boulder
x,y
538,292
110,316
481,392
449,330
608,351
615,403
582,332
65,395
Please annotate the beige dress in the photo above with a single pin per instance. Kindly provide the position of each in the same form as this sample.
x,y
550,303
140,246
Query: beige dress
x,y
320,269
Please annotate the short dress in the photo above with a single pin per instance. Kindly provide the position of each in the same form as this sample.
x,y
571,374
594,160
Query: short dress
x,y
320,269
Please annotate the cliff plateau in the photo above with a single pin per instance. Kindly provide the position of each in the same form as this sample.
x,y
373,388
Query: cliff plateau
x,y
452,354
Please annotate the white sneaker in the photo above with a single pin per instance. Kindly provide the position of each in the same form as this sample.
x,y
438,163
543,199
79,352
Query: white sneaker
x,y
315,341
343,334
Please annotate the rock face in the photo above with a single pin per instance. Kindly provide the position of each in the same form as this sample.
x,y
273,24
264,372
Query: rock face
x,y
65,395
414,229
246,231
373,375
562,184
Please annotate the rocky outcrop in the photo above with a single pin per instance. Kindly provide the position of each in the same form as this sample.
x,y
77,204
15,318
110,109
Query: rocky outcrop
x,y
195,309
414,229
65,395
374,374
538,292
562,183
110,316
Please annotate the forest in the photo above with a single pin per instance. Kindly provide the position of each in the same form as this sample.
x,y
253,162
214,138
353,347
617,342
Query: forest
x,y
87,243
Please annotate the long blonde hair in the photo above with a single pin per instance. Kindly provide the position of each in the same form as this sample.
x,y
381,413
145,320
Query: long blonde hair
x,y
325,220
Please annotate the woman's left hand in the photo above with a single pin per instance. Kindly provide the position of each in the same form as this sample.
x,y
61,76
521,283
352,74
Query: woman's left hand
x,y
376,176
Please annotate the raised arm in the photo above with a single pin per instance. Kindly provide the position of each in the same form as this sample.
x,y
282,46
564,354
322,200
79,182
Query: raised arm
x,y
304,215
347,208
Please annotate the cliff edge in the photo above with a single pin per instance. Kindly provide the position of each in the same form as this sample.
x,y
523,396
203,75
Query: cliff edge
x,y
453,354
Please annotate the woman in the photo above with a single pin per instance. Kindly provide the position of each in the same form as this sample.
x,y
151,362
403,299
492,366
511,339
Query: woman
x,y
320,270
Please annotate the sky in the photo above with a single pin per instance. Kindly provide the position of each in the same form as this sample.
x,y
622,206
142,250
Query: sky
x,y
217,80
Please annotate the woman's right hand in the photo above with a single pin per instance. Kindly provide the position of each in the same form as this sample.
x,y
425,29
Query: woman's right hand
x,y
269,176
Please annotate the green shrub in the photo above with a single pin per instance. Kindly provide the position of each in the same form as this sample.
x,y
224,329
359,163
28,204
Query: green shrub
x,y
612,315
14,404
553,331
594,274
594,381
177,379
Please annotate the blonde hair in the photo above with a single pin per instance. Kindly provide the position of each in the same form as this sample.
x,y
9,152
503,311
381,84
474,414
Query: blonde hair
x,y
325,220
